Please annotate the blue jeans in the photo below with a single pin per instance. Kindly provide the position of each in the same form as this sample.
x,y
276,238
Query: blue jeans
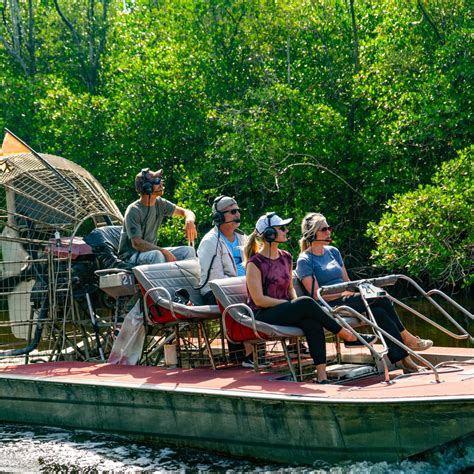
x,y
155,256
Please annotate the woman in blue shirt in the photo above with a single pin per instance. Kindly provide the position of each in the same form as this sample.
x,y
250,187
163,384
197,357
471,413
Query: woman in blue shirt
x,y
321,264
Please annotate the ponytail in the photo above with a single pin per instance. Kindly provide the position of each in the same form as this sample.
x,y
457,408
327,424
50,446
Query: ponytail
x,y
251,247
304,244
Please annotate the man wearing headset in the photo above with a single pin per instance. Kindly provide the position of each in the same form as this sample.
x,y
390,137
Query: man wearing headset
x,y
221,249
143,219
220,254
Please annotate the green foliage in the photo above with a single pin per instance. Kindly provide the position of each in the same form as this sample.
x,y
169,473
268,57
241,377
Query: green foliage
x,y
430,232
274,103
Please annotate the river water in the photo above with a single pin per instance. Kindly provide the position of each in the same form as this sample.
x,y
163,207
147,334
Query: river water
x,y
42,449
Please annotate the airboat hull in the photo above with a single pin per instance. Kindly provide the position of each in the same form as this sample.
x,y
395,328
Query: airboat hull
x,y
242,413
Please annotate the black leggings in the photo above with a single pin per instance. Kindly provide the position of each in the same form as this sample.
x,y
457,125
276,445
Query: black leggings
x,y
304,313
385,316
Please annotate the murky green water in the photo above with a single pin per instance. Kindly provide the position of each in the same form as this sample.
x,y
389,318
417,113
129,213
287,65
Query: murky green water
x,y
421,328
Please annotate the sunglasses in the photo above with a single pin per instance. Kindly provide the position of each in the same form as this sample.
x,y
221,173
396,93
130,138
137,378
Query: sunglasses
x,y
283,228
156,181
232,211
325,229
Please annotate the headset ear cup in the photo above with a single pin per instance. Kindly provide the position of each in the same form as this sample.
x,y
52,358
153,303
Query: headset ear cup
x,y
270,234
147,187
218,218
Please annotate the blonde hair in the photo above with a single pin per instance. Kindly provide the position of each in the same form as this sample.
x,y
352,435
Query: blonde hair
x,y
309,226
252,246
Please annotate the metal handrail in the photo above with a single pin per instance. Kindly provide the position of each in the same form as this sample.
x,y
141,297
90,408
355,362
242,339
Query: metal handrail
x,y
392,279
159,289
465,334
385,334
251,315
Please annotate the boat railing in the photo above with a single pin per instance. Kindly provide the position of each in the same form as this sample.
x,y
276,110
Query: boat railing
x,y
379,355
427,294
380,282
373,288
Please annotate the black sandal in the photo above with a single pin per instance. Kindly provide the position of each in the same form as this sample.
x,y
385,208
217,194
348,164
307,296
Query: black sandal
x,y
322,382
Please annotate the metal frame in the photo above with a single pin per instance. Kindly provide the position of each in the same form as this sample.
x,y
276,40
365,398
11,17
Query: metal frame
x,y
281,339
387,281
177,321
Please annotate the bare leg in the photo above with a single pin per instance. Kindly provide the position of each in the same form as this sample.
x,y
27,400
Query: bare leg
x,y
248,349
346,335
321,372
409,364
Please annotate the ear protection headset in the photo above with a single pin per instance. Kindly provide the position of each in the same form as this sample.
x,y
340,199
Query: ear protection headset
x,y
308,234
218,217
146,186
270,233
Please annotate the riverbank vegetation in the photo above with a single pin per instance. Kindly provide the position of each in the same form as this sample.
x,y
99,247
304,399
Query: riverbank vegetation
x,y
361,110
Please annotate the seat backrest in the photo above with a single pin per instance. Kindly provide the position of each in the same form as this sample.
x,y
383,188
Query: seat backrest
x,y
172,276
298,286
237,321
229,290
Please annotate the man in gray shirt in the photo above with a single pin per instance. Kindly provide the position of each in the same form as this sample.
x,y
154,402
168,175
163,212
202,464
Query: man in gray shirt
x,y
143,219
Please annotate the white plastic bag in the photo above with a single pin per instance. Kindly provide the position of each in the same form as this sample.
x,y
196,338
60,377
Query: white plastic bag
x,y
128,346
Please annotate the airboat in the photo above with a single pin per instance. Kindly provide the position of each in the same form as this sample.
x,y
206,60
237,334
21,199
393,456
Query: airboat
x,y
88,342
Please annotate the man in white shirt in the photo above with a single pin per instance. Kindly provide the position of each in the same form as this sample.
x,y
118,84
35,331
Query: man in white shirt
x,y
221,249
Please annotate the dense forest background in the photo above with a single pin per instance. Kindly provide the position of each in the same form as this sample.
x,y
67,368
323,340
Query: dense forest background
x,y
358,109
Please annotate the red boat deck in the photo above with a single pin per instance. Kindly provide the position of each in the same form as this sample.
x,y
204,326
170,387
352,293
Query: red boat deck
x,y
457,380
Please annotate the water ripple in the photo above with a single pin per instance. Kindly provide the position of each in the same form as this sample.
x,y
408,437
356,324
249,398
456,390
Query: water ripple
x,y
45,449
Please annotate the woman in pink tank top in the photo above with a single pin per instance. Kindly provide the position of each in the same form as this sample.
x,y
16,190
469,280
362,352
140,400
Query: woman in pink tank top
x,y
273,298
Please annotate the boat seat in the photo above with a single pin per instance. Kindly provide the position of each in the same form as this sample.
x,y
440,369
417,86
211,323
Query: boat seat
x,y
239,323
158,284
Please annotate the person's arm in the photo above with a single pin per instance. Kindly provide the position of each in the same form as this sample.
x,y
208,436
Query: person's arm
x,y
254,284
190,219
308,284
345,277
143,246
210,252
291,289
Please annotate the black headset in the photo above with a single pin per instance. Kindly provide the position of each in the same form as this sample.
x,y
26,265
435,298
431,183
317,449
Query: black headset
x,y
146,186
270,234
218,217
306,236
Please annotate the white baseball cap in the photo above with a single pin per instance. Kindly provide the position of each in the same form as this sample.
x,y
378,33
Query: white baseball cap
x,y
270,219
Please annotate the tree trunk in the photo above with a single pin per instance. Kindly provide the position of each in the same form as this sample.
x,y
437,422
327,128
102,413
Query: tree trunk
x,y
90,45
355,34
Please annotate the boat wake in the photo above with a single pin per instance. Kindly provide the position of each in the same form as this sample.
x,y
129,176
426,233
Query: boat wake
x,y
45,449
